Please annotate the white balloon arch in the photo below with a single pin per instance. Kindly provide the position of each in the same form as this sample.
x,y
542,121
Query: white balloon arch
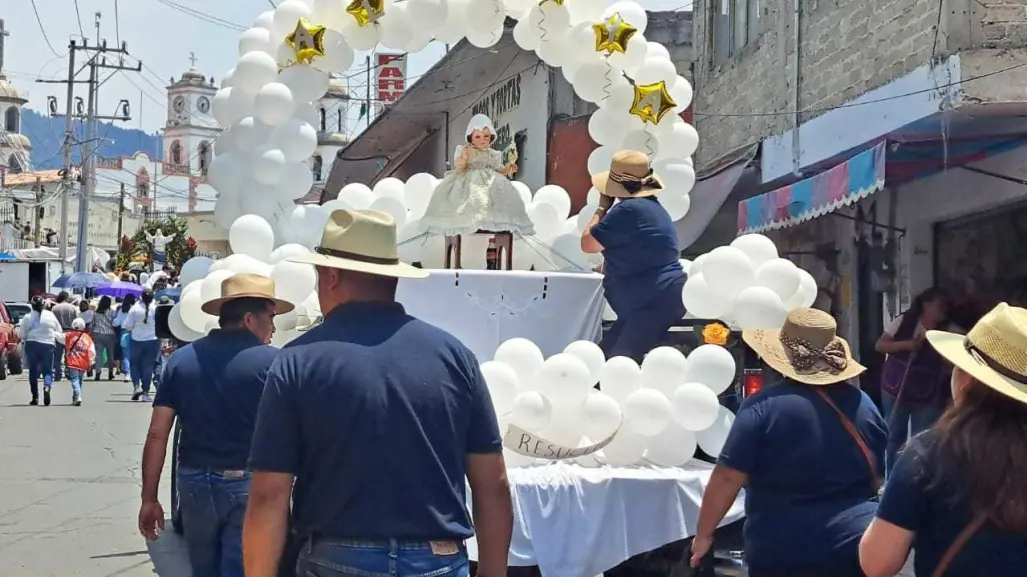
x,y
659,411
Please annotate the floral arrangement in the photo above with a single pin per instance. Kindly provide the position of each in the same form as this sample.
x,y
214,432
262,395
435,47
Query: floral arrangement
x,y
716,334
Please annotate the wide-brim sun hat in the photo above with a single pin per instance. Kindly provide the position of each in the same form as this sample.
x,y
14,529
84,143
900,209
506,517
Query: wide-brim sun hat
x,y
630,176
246,285
994,352
361,241
806,349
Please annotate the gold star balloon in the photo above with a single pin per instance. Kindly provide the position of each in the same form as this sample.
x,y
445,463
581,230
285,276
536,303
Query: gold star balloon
x,y
652,101
612,34
557,2
307,41
366,11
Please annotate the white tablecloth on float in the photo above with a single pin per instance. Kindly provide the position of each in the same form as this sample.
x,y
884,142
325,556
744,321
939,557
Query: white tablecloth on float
x,y
574,521
483,308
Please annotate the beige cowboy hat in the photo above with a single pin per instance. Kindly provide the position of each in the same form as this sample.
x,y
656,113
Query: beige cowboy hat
x,y
806,349
994,352
246,285
362,241
630,176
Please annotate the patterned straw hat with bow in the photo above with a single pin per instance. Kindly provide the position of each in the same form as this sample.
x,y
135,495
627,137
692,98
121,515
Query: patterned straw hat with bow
x,y
806,349
630,176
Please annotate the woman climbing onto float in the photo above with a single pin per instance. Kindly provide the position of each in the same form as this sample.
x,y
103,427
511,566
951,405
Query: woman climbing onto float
x,y
476,194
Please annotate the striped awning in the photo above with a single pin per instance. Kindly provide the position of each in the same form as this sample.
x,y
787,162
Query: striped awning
x,y
841,185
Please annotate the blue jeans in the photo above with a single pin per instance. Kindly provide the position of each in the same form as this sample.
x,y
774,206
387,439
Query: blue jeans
x,y
39,357
75,376
58,361
904,422
125,340
144,357
213,506
328,558
638,331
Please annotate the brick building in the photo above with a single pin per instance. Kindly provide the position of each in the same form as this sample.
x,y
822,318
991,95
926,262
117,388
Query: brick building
x,y
872,120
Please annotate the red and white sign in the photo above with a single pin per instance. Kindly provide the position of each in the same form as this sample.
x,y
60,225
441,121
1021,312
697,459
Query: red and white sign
x,y
391,75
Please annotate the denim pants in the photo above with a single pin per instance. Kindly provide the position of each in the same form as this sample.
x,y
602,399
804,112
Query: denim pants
x,y
39,357
144,357
75,376
125,340
639,331
905,421
58,361
213,504
330,558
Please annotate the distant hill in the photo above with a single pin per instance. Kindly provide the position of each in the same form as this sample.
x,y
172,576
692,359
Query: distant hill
x,y
47,134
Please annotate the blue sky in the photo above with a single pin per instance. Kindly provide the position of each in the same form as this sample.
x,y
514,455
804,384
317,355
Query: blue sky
x,y
159,35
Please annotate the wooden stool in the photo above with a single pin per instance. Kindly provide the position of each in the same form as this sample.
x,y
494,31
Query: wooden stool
x,y
504,248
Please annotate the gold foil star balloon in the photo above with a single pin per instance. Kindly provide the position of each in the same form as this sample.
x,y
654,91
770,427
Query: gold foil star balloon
x,y
366,11
612,34
652,101
307,41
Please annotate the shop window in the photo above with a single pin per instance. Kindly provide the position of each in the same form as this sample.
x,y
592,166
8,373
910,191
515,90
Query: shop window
x,y
318,164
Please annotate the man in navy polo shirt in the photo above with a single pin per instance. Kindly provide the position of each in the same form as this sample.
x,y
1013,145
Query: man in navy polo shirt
x,y
370,423
213,386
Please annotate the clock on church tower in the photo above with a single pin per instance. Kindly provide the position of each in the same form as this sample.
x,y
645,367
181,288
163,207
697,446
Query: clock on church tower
x,y
191,130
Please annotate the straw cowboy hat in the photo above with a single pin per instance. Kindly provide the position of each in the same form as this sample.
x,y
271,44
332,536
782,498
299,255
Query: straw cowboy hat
x,y
806,349
630,176
994,352
362,241
245,285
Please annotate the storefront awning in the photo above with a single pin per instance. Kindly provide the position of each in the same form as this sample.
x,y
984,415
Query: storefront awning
x,y
841,185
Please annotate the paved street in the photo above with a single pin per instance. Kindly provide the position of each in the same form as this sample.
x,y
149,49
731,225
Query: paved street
x,y
69,486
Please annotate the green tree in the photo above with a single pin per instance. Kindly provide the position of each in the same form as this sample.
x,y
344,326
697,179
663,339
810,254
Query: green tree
x,y
180,249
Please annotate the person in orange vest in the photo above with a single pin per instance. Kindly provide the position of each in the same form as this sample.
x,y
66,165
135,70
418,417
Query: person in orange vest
x,y
81,353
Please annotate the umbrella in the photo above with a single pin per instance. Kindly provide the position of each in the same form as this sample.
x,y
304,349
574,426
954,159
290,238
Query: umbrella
x,y
175,294
120,289
82,280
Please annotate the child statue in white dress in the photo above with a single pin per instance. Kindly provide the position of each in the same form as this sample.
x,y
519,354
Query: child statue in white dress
x,y
476,194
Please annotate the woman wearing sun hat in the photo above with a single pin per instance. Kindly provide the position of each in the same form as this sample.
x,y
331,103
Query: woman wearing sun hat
x,y
959,490
809,452
644,278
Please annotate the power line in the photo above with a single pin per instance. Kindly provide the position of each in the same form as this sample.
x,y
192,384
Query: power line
x,y
200,15
78,16
43,31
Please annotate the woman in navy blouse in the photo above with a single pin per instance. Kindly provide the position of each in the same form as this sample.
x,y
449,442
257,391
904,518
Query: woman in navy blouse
x,y
643,278
958,493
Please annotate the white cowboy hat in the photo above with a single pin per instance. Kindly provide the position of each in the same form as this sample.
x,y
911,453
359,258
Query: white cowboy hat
x,y
362,241
994,352
806,349
246,285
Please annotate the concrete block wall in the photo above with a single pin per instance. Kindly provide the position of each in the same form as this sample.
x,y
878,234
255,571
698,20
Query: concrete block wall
x,y
847,48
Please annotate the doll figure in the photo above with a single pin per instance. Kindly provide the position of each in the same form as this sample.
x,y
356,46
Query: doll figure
x,y
476,194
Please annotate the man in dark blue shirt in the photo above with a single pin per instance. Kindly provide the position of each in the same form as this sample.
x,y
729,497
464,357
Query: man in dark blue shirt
x,y
370,423
643,277
213,386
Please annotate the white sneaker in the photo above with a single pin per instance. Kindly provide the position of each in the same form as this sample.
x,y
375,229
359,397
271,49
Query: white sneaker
x,y
146,399
137,392
126,378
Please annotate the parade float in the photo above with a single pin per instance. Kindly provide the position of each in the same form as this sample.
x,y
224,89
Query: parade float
x,y
576,454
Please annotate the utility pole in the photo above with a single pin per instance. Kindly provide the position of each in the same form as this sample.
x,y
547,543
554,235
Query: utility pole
x,y
35,211
87,158
121,213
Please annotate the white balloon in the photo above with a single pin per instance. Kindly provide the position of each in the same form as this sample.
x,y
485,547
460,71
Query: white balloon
x,y
227,210
265,20
293,281
390,186
677,205
306,112
178,326
584,217
267,166
251,235
566,253
703,300
588,11
189,308
620,377
711,365
287,251
680,140
485,39
327,13
632,58
249,133
245,264
662,369
565,426
305,82
210,286
453,28
502,384
593,79
253,71
296,139
601,416
226,174
556,196
524,357
603,130
549,18
295,182
695,406
682,94
286,322
274,104
646,412
287,15
631,12
361,37
758,307
625,449
254,39
806,294
712,440
643,141
395,26
231,105
678,175
419,39
531,411
357,195
655,70
757,247
779,275
429,14
524,36
673,447
393,207
484,16
564,380
546,219
194,269
656,50
729,270
591,355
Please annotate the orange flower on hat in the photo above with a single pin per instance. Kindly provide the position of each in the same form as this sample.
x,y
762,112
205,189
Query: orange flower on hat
x,y
715,334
